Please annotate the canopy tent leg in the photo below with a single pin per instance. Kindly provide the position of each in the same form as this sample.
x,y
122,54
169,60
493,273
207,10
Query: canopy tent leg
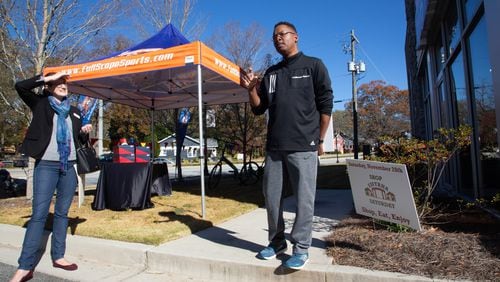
x,y
152,153
202,145
152,149
100,129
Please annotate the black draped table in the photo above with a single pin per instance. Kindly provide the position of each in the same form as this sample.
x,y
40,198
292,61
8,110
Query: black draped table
x,y
124,186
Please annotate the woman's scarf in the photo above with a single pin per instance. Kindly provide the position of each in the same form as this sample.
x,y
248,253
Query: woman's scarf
x,y
63,134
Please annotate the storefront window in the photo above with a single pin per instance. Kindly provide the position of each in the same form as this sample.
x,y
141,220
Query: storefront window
x,y
457,80
458,89
485,107
443,106
427,102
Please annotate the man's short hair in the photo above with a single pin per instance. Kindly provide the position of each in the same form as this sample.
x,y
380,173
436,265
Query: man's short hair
x,y
290,25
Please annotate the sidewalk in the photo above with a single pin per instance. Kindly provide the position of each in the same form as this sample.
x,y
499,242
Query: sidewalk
x,y
221,253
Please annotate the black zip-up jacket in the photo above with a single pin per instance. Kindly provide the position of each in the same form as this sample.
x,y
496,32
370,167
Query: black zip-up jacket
x,y
296,92
40,129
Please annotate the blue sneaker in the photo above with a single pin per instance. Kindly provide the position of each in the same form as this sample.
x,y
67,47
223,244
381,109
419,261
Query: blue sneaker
x,y
271,252
297,261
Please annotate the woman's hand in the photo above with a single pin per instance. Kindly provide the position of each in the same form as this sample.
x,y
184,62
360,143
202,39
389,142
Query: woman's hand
x,y
55,76
86,128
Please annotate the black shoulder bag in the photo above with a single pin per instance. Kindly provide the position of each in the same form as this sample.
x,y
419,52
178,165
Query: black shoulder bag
x,y
86,159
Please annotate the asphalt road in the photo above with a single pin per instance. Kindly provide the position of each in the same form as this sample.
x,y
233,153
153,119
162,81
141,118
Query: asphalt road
x,y
187,171
6,271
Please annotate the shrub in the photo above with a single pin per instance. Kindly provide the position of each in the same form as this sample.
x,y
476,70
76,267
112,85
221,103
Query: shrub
x,y
424,159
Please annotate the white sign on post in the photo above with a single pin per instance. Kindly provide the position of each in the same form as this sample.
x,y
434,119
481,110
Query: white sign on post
x,y
382,191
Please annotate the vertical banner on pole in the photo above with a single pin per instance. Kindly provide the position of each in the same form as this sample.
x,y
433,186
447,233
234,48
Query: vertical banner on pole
x,y
210,118
184,118
86,105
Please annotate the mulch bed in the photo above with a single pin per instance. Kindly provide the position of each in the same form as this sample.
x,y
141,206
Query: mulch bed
x,y
457,246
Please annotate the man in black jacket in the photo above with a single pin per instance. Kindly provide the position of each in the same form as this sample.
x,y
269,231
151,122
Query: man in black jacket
x,y
297,94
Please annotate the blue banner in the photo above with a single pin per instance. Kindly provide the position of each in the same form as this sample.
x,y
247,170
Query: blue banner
x,y
86,105
182,124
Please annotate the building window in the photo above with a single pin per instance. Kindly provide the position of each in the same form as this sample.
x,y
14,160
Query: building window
x,y
458,89
444,103
440,54
452,29
457,80
424,84
484,104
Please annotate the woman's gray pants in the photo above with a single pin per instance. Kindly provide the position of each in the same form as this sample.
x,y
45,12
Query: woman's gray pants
x,y
299,170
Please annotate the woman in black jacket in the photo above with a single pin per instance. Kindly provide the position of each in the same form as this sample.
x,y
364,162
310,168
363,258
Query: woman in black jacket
x,y
52,138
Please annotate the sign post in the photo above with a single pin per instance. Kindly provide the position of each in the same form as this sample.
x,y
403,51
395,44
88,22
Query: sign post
x,y
382,191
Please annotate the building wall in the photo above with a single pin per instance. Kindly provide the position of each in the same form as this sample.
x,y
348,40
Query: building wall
x,y
190,148
453,58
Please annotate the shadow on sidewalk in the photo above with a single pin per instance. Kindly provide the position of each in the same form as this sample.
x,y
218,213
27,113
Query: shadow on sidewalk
x,y
211,233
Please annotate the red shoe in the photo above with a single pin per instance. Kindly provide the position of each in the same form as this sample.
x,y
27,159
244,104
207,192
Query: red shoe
x,y
28,276
69,267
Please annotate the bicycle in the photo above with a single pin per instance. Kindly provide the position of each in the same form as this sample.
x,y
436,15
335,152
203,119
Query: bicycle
x,y
216,172
260,172
249,173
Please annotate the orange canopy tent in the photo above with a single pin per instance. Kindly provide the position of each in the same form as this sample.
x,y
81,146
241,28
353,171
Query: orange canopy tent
x,y
181,76
151,78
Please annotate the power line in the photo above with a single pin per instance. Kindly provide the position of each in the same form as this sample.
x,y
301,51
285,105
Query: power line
x,y
326,38
372,62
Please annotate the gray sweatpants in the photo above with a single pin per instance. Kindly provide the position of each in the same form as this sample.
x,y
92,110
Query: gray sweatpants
x,y
300,169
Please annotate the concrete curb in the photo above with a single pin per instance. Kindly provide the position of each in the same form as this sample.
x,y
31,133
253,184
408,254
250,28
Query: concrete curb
x,y
225,252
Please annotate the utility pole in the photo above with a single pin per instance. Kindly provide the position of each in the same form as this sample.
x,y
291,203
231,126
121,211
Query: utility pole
x,y
355,68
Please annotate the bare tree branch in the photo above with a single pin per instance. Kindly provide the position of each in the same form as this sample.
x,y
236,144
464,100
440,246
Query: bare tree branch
x,y
157,14
34,32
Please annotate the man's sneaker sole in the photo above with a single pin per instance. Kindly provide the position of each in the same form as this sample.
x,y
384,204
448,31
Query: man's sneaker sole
x,y
297,267
296,262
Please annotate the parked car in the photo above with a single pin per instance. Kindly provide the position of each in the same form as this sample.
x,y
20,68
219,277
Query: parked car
x,y
163,160
20,161
10,186
106,158
6,163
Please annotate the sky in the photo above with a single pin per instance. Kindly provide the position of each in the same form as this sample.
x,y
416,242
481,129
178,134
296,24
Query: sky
x,y
324,28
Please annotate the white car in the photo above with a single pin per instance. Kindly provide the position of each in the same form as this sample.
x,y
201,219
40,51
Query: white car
x,y
163,160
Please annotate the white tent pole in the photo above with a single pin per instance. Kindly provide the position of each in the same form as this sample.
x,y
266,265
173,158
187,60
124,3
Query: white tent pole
x,y
152,152
202,146
100,128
